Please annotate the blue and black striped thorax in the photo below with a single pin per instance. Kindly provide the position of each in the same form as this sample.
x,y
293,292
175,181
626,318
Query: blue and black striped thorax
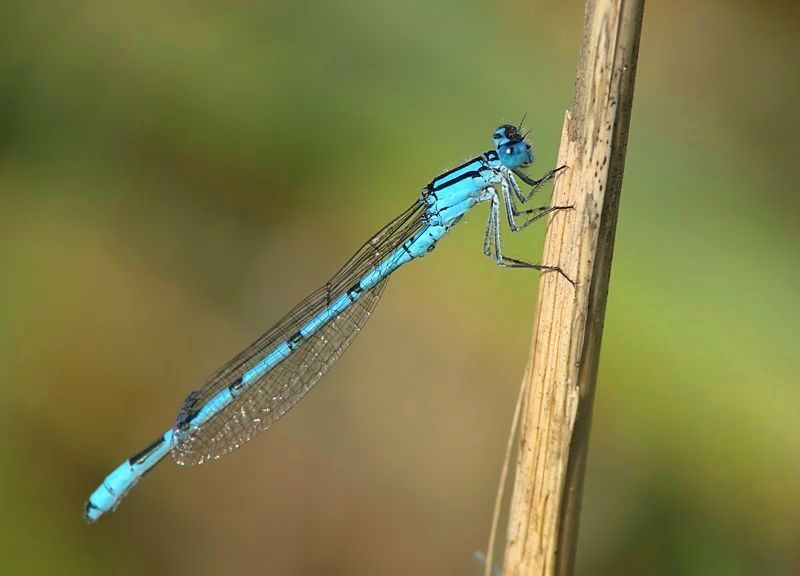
x,y
459,189
477,168
452,193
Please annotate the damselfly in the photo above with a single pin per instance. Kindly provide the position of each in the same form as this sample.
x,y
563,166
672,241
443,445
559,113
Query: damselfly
x,y
252,391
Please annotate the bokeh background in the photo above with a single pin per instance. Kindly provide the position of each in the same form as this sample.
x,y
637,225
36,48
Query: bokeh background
x,y
175,176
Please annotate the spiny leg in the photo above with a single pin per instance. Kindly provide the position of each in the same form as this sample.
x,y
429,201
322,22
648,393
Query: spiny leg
x,y
508,179
493,232
531,182
491,225
515,187
512,211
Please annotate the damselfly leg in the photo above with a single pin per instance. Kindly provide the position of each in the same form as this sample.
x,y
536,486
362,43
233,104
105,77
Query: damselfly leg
x,y
493,248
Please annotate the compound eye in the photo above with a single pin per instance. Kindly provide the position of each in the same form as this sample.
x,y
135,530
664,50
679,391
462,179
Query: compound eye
x,y
509,150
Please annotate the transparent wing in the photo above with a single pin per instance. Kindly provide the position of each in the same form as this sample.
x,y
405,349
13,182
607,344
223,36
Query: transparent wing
x,y
269,397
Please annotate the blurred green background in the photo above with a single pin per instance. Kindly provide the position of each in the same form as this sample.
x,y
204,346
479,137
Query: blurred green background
x,y
175,176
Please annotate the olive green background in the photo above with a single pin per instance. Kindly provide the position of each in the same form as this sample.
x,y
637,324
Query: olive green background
x,y
175,175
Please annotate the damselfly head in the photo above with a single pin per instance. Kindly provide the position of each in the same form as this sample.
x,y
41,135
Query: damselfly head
x,y
512,148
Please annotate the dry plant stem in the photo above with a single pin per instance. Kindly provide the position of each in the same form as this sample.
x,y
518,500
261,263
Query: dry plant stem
x,y
562,367
498,502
